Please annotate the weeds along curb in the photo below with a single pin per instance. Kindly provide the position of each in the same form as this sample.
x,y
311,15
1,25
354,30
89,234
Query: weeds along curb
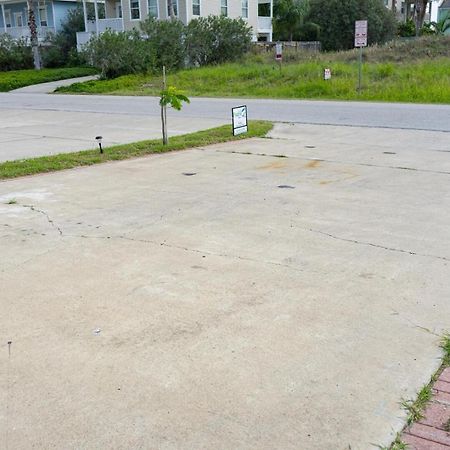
x,y
62,161
416,408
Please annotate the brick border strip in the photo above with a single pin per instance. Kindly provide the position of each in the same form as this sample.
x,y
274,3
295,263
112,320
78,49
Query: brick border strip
x,y
433,431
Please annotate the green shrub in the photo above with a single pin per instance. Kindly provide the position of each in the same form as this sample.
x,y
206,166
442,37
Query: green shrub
x,y
14,54
406,29
15,79
165,42
115,54
336,19
427,29
216,39
61,48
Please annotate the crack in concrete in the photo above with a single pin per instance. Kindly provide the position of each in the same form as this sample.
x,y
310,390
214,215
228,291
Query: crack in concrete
x,y
415,325
371,244
49,220
412,169
187,249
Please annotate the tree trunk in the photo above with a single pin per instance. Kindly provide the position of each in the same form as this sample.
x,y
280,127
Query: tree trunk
x,y
419,14
171,11
164,125
394,6
34,35
164,112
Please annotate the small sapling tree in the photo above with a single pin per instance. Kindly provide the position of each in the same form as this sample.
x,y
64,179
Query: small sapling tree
x,y
173,97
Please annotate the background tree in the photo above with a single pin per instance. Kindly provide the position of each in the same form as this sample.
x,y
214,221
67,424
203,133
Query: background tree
x,y
62,48
166,42
420,8
288,18
336,19
34,35
216,39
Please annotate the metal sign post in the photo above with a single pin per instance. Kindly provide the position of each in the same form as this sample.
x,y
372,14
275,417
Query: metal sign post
x,y
360,41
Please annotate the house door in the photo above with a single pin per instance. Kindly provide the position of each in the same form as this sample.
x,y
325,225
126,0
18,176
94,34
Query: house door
x,y
18,19
8,18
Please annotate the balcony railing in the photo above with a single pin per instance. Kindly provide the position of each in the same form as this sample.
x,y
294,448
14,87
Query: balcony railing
x,y
114,24
24,32
264,23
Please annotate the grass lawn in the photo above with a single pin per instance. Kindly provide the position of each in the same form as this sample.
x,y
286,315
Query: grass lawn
x,y
407,71
19,78
12,169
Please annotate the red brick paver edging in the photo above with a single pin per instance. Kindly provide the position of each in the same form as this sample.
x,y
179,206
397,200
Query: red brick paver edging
x,y
433,431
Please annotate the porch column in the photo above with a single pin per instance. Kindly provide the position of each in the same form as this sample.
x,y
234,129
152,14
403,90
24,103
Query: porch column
x,y
271,18
96,16
85,16
4,17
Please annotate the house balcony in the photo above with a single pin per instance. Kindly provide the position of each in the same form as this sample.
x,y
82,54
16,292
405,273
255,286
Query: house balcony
x,y
98,26
24,32
264,24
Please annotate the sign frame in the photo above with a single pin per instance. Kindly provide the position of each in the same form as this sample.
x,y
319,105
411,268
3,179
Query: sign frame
x,y
239,118
278,51
361,33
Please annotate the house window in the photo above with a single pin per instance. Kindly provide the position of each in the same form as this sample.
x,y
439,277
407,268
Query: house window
x,y
43,15
18,19
8,18
224,7
153,8
118,10
134,10
195,7
244,8
174,4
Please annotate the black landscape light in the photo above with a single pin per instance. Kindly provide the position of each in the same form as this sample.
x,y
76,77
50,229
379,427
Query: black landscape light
x,y
99,140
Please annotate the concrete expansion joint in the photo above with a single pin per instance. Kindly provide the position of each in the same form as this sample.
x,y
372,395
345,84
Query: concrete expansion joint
x,y
371,244
333,161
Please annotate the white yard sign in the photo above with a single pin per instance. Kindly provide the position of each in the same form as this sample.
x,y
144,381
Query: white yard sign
x,y
361,33
239,115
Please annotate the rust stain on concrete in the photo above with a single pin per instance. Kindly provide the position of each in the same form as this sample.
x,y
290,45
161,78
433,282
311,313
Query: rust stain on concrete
x,y
273,165
313,164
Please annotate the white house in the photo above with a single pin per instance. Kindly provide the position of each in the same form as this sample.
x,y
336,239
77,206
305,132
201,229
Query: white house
x,y
121,15
405,9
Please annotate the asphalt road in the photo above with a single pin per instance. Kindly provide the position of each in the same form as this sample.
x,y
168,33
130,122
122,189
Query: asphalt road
x,y
384,115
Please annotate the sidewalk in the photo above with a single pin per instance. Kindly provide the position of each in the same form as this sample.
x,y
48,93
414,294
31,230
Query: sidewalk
x,y
47,88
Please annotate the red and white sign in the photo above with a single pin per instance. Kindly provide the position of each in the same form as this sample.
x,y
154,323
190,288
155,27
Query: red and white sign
x,y
361,33
279,51
327,74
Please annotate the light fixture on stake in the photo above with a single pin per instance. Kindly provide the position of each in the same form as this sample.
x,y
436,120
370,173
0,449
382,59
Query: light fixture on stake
x,y
99,141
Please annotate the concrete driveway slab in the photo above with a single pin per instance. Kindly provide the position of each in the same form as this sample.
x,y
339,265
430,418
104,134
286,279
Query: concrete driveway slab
x,y
26,134
263,302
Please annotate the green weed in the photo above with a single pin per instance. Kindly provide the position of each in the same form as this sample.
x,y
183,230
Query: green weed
x,y
11,169
19,78
402,71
